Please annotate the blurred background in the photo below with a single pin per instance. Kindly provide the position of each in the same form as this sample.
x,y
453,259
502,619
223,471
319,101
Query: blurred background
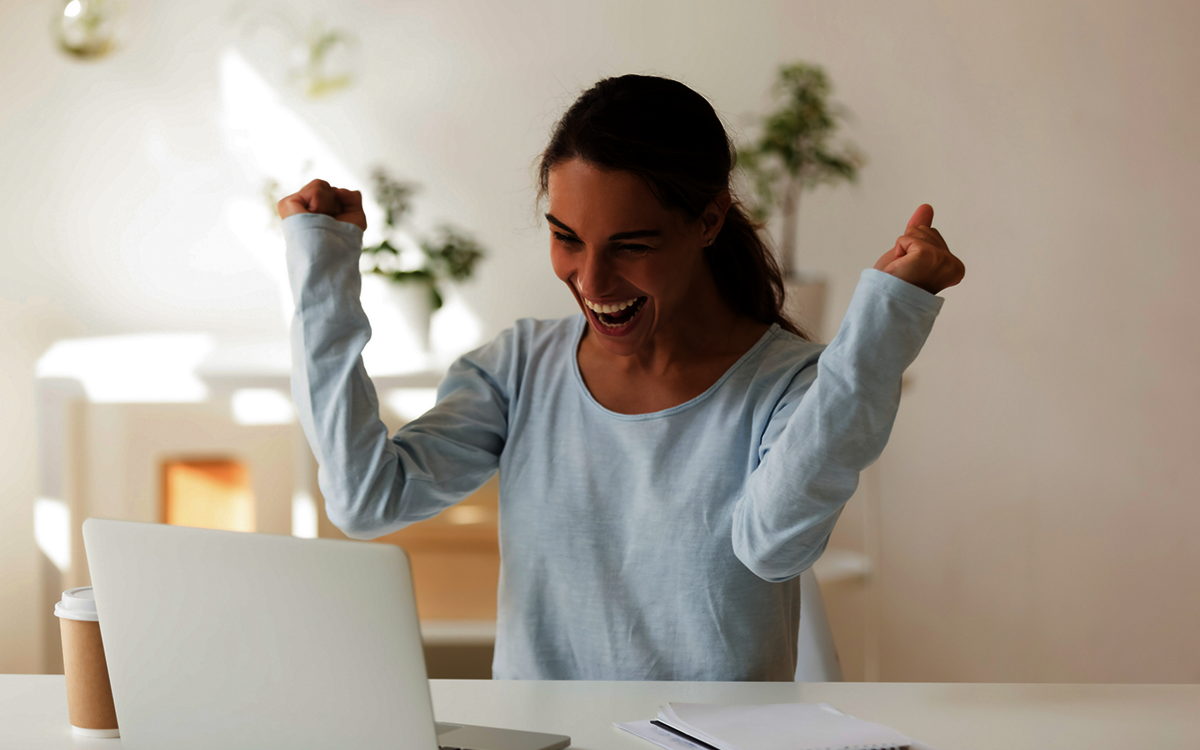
x,y
1034,516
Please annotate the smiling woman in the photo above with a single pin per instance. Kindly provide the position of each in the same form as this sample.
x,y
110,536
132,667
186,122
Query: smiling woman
x,y
668,147
672,458
661,332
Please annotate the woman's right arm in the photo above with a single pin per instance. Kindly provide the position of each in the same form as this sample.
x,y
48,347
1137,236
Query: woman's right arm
x,y
374,484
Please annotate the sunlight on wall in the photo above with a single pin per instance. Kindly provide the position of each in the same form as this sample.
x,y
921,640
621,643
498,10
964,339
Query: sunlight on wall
x,y
134,368
52,530
304,515
266,135
274,144
261,406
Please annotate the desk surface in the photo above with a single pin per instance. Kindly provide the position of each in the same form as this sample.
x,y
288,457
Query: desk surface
x,y
33,712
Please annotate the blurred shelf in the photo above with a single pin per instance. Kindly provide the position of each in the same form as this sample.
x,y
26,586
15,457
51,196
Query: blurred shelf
x,y
842,565
267,364
458,632
189,367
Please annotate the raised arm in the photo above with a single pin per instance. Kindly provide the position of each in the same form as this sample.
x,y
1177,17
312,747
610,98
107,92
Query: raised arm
x,y
838,414
374,484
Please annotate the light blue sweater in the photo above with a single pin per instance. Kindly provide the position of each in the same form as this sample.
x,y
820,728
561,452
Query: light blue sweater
x,y
659,546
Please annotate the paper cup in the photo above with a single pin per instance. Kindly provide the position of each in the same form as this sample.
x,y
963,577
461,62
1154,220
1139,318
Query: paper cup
x,y
89,694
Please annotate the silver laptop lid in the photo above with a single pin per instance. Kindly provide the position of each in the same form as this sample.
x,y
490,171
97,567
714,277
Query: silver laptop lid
x,y
234,640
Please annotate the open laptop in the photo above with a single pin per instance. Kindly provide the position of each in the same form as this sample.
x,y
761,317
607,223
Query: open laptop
x,y
234,640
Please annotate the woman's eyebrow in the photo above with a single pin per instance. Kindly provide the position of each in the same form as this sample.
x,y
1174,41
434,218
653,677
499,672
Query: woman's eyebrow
x,y
550,218
637,233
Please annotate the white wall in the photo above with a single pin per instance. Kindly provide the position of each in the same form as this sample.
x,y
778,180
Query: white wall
x,y
1038,495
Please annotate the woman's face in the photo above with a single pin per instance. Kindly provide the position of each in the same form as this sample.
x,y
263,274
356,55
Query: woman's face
x,y
636,268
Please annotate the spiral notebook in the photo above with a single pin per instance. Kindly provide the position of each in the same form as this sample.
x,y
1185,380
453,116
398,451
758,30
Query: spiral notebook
x,y
780,726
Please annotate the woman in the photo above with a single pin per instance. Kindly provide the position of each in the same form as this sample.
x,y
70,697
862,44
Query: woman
x,y
671,459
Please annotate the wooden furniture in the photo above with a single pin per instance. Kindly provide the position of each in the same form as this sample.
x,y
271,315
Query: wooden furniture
x,y
455,558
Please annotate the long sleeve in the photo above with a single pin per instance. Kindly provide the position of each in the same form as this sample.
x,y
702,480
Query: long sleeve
x,y
834,422
374,484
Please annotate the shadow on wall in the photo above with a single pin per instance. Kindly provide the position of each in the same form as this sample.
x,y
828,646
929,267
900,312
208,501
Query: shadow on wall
x,y
52,587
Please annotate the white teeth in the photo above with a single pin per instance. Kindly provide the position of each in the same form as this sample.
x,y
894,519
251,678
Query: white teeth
x,y
610,308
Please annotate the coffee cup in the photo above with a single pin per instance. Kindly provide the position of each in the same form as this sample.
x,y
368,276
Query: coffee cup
x,y
89,694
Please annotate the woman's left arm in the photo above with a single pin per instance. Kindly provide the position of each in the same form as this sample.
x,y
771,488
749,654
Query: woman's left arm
x,y
837,420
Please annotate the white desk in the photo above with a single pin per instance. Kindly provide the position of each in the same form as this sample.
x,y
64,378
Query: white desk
x,y
33,712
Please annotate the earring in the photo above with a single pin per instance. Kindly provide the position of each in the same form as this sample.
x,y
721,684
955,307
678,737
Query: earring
x,y
710,241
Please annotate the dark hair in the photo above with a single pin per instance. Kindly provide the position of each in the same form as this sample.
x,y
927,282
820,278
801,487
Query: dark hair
x,y
669,135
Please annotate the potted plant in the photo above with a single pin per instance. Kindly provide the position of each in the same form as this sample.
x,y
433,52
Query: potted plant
x,y
415,278
793,153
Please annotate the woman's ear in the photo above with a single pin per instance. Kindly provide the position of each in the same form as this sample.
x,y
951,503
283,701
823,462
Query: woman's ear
x,y
713,217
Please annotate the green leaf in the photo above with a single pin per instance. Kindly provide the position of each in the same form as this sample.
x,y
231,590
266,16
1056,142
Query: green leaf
x,y
793,143
406,277
382,247
393,196
452,254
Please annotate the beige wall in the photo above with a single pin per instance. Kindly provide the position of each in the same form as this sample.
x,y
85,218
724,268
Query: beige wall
x,y
1039,493
20,639
1037,502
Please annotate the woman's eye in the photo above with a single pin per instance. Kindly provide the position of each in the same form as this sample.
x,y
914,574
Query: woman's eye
x,y
634,249
566,238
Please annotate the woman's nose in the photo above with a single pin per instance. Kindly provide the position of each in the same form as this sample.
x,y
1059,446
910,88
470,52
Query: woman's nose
x,y
596,277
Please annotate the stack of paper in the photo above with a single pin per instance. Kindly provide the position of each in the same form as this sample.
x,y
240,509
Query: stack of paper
x,y
781,726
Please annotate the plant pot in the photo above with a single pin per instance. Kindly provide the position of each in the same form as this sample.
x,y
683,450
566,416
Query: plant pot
x,y
400,314
804,303
412,300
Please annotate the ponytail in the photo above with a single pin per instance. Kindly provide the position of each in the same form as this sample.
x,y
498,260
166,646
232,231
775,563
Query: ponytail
x,y
746,272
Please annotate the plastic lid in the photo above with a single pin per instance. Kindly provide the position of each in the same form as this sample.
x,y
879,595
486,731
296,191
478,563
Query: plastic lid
x,y
104,734
78,604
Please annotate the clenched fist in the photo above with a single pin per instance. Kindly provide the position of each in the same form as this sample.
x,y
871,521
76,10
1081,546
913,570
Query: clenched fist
x,y
319,197
920,255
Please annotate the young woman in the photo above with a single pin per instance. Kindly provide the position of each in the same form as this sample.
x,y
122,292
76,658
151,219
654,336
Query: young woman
x,y
671,458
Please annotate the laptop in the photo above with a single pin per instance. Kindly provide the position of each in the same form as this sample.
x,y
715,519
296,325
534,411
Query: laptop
x,y
234,640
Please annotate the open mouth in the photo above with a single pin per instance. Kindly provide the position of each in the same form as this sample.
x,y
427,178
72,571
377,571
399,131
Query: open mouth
x,y
614,321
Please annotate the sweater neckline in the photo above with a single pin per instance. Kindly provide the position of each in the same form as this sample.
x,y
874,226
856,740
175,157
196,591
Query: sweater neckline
x,y
577,338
